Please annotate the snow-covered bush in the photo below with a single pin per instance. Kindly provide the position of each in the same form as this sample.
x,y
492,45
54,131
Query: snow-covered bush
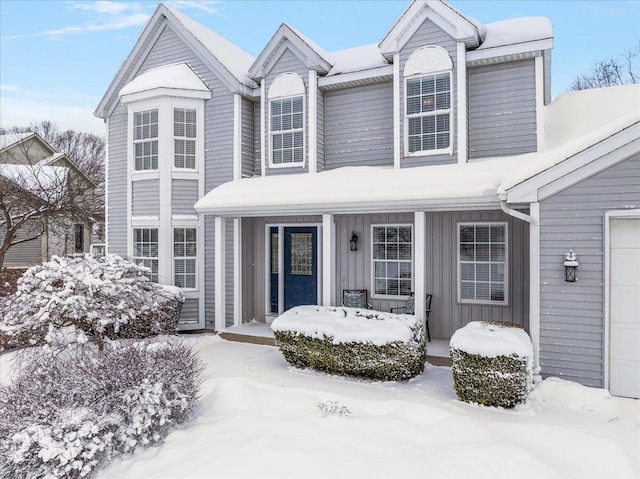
x,y
99,297
67,413
492,363
352,342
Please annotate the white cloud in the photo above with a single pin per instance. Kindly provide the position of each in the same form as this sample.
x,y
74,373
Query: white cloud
x,y
106,6
205,6
8,87
79,117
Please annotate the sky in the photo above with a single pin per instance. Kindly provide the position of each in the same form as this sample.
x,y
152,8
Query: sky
x,y
57,58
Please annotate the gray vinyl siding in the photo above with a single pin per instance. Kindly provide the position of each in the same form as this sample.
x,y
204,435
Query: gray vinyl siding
x,y
28,253
248,153
145,197
502,109
184,195
546,58
448,315
190,311
359,126
572,320
428,34
117,182
288,62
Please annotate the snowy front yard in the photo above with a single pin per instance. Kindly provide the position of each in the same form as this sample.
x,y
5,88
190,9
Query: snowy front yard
x,y
258,417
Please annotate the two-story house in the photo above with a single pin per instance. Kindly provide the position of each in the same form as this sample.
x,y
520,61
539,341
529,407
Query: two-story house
x,y
431,162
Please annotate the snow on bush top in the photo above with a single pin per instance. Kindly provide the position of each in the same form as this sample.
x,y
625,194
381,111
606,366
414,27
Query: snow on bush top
x,y
491,340
346,325
105,291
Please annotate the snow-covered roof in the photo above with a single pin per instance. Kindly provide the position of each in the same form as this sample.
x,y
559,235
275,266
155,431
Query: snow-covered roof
x,y
177,76
573,122
356,59
231,56
516,30
41,179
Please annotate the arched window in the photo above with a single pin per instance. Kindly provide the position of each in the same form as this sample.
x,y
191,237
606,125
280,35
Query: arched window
x,y
286,120
428,112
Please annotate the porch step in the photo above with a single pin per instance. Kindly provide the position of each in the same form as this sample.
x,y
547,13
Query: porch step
x,y
247,338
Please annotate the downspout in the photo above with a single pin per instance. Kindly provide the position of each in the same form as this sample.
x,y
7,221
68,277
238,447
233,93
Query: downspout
x,y
534,272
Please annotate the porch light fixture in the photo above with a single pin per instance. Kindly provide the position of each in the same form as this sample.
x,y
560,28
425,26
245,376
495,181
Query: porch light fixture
x,y
570,267
353,242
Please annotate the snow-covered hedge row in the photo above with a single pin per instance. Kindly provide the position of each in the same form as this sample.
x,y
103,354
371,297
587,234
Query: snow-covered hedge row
x,y
352,342
492,363
98,297
66,414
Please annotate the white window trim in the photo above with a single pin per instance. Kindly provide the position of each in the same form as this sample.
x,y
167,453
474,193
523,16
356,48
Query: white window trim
x,y
506,263
372,259
145,226
449,111
198,106
134,142
198,257
299,164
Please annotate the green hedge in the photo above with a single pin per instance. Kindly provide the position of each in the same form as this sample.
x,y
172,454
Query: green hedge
x,y
391,362
501,381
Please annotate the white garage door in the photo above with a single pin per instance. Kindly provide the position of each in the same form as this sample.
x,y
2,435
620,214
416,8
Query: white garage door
x,y
624,307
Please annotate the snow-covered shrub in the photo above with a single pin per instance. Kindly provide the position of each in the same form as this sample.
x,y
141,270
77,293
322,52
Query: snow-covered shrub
x,y
492,363
104,296
67,413
352,342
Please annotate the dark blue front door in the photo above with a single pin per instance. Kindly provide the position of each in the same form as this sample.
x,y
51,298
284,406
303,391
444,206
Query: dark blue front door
x,y
300,266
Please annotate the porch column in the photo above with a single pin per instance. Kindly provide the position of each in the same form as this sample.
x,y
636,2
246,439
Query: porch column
x,y
220,270
328,260
237,271
534,283
419,255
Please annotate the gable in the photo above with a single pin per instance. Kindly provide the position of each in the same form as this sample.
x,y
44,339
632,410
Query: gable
x,y
311,55
428,33
181,35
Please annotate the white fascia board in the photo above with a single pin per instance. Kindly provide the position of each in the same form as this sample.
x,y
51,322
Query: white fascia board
x,y
159,92
136,57
507,50
372,73
603,154
449,204
411,19
265,60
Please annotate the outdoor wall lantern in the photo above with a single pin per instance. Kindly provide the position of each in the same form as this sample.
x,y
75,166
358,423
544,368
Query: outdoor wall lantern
x,y
353,242
570,267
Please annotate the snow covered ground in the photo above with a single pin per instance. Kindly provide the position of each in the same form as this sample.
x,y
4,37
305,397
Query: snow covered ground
x,y
260,418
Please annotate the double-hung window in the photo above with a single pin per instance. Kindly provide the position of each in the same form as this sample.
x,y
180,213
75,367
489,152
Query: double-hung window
x,y
429,112
184,257
184,137
145,249
482,262
392,258
287,130
145,139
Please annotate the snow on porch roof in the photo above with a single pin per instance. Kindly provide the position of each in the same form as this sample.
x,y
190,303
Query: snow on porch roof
x,y
358,189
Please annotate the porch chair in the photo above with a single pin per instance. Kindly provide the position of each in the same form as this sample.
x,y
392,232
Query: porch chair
x,y
355,298
410,308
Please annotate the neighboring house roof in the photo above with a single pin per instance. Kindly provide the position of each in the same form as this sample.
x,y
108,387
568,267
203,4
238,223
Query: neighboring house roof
x,y
12,140
42,179
573,122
